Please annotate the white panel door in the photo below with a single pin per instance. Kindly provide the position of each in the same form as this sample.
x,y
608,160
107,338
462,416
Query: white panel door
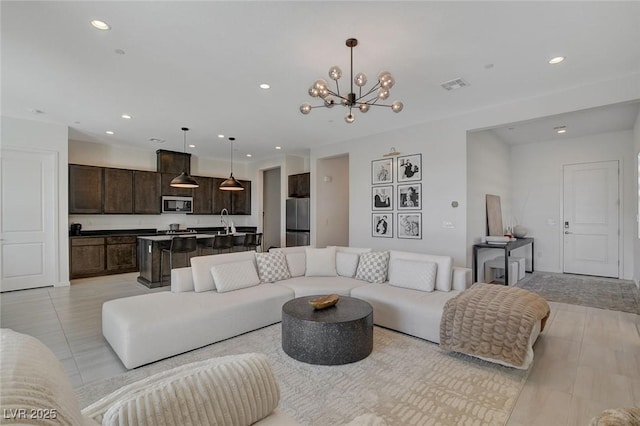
x,y
28,224
591,216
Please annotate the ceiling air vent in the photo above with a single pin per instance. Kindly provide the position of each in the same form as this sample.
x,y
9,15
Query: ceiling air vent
x,y
454,84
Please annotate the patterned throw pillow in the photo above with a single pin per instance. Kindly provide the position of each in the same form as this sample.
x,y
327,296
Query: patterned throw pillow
x,y
372,266
272,267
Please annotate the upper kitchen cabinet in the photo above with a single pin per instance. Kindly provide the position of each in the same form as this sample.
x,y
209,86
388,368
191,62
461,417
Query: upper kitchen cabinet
x,y
85,189
118,191
241,200
221,199
146,192
300,185
173,162
203,195
167,189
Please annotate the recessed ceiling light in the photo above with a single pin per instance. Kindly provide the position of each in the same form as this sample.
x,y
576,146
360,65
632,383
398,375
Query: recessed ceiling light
x,y
156,140
110,132
560,129
119,52
221,136
278,147
191,145
556,60
249,155
36,111
100,25
265,86
126,116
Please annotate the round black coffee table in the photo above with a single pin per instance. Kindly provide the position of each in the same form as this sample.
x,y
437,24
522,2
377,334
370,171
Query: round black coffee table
x,y
337,335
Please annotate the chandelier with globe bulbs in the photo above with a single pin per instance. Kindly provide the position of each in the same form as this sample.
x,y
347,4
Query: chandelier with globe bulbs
x,y
362,101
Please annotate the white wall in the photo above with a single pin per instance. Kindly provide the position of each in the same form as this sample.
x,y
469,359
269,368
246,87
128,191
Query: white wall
x,y
443,147
332,201
33,135
272,202
96,154
488,172
636,151
537,183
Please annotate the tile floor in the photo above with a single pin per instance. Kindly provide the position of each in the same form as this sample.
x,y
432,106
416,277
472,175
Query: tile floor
x,y
586,360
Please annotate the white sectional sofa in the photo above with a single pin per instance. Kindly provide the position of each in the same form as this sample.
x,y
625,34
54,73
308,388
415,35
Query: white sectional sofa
x,y
198,311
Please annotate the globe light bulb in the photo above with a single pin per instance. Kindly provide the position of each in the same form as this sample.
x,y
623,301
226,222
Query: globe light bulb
x,y
397,106
305,108
335,72
349,118
320,84
383,93
363,107
329,102
387,81
313,92
360,79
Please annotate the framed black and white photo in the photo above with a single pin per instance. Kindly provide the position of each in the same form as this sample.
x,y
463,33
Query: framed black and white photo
x,y
410,196
410,168
382,171
382,197
410,225
382,225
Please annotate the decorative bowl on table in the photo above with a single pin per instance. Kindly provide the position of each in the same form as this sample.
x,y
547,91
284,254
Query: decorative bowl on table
x,y
324,301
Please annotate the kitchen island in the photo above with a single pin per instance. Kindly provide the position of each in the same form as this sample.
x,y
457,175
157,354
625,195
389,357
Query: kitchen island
x,y
150,248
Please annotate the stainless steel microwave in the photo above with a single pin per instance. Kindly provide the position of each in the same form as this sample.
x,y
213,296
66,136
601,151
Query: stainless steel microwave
x,y
171,204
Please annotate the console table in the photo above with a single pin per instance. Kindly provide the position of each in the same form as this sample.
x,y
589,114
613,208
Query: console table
x,y
507,247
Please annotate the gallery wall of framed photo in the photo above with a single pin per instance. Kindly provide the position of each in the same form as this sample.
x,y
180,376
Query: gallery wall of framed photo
x,y
396,197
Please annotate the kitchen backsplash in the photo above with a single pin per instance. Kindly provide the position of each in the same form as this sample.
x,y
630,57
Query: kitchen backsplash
x,y
106,222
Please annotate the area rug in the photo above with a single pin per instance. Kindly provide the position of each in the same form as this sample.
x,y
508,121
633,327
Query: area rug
x,y
596,292
405,381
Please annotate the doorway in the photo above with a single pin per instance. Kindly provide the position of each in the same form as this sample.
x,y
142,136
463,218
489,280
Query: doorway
x,y
29,219
591,204
271,204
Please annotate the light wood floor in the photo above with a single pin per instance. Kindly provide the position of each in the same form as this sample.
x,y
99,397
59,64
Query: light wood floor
x,y
586,360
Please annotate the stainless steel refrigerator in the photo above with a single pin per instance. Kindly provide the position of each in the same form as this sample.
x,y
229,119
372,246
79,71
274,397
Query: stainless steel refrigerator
x,y
298,222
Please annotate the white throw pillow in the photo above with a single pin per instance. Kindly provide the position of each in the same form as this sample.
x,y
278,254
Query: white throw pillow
x,y
413,274
372,267
272,267
347,263
321,262
234,276
297,264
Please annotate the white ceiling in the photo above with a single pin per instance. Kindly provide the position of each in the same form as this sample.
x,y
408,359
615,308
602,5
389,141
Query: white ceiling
x,y
199,64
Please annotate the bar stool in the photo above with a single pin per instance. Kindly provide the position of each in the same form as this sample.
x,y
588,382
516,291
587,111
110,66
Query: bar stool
x,y
252,241
178,245
222,242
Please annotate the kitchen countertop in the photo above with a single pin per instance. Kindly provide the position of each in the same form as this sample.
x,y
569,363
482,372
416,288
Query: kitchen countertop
x,y
168,237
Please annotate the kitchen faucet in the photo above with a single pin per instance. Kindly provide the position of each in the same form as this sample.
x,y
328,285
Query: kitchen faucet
x,y
225,222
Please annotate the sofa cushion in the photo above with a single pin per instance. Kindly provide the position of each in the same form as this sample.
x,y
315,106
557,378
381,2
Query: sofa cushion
x,y
311,286
236,389
347,263
321,262
372,266
234,276
443,274
201,267
33,379
358,250
297,263
414,274
272,267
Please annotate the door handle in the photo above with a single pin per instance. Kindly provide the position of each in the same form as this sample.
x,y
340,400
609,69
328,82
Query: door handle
x,y
567,232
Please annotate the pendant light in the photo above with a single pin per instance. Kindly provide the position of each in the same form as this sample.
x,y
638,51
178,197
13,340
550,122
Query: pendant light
x,y
231,184
183,180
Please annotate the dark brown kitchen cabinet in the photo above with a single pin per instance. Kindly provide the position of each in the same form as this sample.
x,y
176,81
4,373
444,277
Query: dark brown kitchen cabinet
x,y
173,162
221,199
122,254
118,191
203,195
241,200
146,192
300,185
167,189
87,257
85,189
